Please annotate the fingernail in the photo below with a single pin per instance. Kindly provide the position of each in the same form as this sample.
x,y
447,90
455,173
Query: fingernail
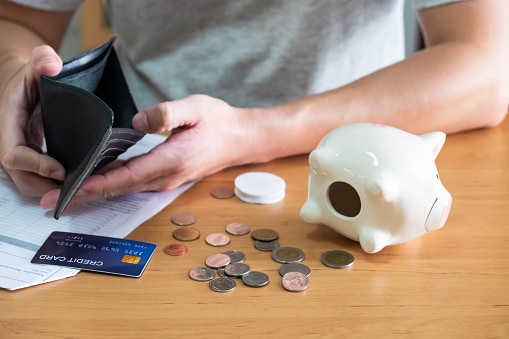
x,y
58,175
140,121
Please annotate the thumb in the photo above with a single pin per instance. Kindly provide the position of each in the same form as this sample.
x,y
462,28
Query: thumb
x,y
45,61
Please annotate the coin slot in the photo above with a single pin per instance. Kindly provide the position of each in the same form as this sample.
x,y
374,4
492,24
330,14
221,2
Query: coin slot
x,y
344,199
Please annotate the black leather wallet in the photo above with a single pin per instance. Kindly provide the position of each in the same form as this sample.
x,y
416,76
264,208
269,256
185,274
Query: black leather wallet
x,y
86,111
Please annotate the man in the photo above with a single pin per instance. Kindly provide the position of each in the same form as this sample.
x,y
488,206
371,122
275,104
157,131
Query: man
x,y
244,82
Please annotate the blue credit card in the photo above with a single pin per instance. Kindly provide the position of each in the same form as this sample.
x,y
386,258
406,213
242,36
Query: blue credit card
x,y
95,253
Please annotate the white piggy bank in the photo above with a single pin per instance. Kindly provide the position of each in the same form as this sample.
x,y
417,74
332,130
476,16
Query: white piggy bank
x,y
377,185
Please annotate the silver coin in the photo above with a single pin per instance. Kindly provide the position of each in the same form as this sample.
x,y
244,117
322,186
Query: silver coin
x,y
235,256
266,246
237,228
287,254
294,267
337,259
217,260
255,279
220,272
295,281
222,284
202,273
236,270
217,239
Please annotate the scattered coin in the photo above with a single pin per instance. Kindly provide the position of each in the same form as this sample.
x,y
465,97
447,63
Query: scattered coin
x,y
255,279
237,269
217,239
186,233
337,259
222,193
294,267
202,273
237,228
287,254
222,284
220,272
264,234
235,256
175,249
295,281
266,246
217,260
183,219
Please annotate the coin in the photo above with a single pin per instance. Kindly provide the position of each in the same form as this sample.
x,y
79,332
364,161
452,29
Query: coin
x,y
217,239
264,234
222,193
266,246
237,228
295,281
287,254
237,269
222,284
183,219
202,273
236,256
217,260
337,259
255,279
294,267
175,249
186,233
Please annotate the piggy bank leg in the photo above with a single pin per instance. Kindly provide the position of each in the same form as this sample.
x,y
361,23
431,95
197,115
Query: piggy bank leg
x,y
373,240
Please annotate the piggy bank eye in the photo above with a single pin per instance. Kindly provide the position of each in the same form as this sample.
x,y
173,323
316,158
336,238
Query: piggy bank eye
x,y
344,199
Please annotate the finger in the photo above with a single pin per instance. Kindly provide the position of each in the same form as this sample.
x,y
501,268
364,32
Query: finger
x,y
169,115
45,61
23,158
134,176
32,185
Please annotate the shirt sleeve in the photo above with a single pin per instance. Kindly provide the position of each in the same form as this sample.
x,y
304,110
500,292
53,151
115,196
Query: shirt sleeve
x,y
430,3
50,5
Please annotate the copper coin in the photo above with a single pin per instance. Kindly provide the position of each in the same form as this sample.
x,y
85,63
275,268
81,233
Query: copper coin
x,y
237,228
186,233
295,281
222,193
217,260
217,239
183,219
264,234
175,249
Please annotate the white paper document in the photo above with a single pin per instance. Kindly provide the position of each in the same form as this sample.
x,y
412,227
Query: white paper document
x,y
24,225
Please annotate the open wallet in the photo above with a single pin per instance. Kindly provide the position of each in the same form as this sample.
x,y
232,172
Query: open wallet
x,y
86,112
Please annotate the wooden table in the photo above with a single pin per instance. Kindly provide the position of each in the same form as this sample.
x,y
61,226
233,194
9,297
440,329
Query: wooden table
x,y
451,283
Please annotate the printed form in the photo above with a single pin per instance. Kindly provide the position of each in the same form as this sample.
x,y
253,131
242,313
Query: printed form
x,y
24,225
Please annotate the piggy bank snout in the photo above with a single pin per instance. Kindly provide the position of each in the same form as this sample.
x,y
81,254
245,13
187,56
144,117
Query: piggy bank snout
x,y
439,212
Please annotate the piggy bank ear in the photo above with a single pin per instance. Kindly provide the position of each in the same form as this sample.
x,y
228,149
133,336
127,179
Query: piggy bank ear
x,y
435,142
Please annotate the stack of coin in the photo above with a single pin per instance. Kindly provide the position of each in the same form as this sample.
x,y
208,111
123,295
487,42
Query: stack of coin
x,y
265,239
259,188
229,266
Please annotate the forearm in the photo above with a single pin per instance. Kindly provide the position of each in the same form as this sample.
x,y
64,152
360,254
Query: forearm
x,y
450,87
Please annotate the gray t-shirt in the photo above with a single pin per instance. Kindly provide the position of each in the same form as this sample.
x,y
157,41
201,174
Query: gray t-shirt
x,y
248,52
